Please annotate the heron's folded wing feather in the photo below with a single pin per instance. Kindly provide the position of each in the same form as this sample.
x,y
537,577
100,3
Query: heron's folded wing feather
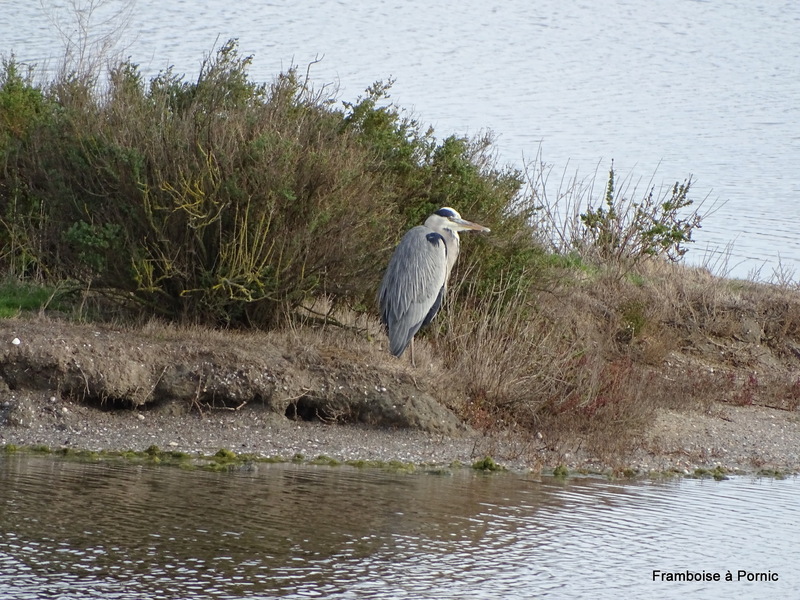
x,y
412,284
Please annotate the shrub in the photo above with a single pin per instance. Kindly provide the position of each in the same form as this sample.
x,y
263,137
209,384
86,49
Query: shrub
x,y
226,201
218,200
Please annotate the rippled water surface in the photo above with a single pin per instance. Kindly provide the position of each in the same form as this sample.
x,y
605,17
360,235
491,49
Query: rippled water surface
x,y
116,530
664,88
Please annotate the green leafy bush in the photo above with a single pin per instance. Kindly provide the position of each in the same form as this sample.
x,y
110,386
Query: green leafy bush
x,y
23,107
626,230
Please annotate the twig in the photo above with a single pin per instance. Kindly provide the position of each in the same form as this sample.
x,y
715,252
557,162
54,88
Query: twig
x,y
231,408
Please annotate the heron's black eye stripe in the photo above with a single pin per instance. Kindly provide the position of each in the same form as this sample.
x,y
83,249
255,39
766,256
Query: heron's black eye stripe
x,y
445,212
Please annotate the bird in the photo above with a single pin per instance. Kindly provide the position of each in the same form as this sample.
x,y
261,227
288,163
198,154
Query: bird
x,y
415,281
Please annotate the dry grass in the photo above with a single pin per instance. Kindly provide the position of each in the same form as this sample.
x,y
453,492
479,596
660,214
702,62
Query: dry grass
x,y
591,361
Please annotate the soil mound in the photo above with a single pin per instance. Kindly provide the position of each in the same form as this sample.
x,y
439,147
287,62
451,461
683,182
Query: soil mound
x,y
177,370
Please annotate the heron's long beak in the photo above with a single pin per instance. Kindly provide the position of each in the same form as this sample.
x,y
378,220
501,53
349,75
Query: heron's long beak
x,y
465,225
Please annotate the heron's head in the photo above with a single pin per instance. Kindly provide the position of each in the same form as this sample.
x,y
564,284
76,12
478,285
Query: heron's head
x,y
448,218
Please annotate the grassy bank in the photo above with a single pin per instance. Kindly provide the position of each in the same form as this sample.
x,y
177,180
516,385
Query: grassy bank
x,y
231,203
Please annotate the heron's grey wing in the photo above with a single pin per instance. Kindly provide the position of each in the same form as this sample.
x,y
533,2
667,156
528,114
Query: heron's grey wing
x,y
413,285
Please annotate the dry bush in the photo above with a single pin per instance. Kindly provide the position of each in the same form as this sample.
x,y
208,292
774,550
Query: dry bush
x,y
528,358
548,369
502,349
704,308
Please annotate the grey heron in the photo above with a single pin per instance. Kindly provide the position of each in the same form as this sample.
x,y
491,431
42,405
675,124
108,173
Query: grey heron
x,y
415,282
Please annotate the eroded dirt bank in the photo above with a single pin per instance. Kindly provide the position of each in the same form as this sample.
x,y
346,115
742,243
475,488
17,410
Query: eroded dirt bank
x,y
100,388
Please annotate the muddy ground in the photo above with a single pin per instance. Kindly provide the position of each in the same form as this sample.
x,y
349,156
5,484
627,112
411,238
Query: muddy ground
x,y
88,386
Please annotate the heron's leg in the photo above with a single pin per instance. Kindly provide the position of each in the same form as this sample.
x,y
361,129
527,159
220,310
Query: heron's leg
x,y
413,364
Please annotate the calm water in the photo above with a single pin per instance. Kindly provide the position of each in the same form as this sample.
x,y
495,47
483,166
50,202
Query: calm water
x,y
110,530
669,88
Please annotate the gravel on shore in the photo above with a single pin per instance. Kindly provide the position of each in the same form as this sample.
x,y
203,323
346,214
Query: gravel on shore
x,y
740,440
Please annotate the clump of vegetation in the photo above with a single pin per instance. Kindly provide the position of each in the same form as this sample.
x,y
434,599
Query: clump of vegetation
x,y
326,461
225,455
487,464
220,201
718,473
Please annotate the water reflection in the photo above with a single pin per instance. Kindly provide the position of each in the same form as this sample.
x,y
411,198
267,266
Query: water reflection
x,y
123,531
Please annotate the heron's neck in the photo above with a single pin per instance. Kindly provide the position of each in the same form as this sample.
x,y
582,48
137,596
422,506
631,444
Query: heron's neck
x,y
453,244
